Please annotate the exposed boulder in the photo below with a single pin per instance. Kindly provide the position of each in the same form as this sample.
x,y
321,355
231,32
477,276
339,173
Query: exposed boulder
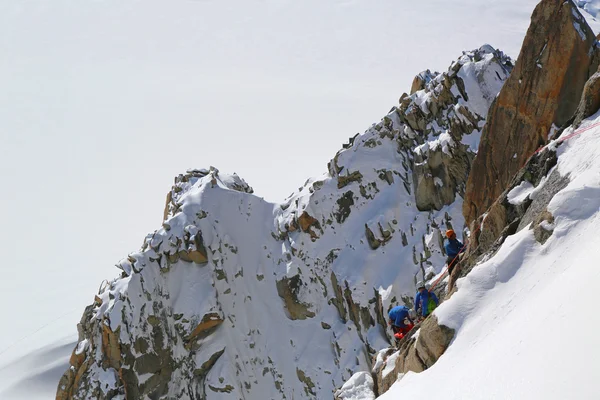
x,y
383,365
543,227
590,100
206,326
433,341
345,204
288,289
416,352
307,222
421,80
344,180
440,173
540,95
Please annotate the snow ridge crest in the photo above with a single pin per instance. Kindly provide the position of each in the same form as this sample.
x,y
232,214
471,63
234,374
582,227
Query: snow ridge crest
x,y
236,297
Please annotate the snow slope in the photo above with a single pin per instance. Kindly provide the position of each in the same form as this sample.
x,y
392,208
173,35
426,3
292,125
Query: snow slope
x,y
87,79
530,308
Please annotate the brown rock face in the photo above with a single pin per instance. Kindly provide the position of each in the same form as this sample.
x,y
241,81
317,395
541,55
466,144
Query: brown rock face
x,y
439,176
543,90
415,354
307,222
421,80
590,99
111,348
209,322
288,289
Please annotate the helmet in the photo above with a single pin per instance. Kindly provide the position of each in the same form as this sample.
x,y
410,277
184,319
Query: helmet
x,y
420,285
449,233
428,286
412,314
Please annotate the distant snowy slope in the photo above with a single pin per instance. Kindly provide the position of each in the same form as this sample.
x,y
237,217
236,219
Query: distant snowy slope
x,y
525,319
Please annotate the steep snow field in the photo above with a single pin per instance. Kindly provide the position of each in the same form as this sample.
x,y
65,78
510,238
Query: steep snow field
x,y
525,318
100,91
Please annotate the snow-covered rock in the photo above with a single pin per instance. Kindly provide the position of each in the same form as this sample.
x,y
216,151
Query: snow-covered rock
x,y
450,109
506,309
559,54
236,297
358,387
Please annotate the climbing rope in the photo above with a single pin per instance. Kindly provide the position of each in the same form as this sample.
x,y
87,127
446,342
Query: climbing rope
x,y
434,284
563,138
559,140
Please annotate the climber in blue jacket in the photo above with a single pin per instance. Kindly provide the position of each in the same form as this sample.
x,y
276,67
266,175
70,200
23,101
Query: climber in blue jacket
x,y
422,300
400,318
453,248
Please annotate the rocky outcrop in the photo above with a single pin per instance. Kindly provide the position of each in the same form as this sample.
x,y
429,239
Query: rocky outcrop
x,y
288,289
440,175
416,352
421,80
590,100
237,297
207,326
541,94
184,181
543,226
537,182
78,363
308,223
442,166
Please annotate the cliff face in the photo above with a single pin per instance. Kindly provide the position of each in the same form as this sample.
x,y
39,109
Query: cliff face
x,y
558,56
550,93
235,297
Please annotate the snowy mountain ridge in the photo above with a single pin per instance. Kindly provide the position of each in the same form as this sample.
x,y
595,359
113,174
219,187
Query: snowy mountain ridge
x,y
506,309
532,242
235,297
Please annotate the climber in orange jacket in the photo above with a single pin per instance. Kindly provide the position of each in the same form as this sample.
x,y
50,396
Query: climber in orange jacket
x,y
453,248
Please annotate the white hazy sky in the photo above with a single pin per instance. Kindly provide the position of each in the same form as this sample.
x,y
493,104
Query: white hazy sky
x,y
102,103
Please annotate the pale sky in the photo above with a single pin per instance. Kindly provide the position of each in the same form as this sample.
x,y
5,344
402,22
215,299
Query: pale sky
x,y
102,103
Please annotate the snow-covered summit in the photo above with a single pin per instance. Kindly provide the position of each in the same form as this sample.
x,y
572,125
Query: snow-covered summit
x,y
236,297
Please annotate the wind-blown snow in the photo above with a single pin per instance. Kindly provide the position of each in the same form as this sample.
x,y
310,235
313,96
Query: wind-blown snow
x,y
358,387
390,364
444,141
518,307
518,194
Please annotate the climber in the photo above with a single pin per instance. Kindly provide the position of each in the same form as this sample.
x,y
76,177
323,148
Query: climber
x,y
453,248
401,320
425,300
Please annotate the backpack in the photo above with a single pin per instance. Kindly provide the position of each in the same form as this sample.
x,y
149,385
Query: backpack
x,y
430,305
